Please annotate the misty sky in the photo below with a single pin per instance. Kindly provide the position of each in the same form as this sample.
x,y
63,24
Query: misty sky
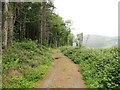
x,y
90,16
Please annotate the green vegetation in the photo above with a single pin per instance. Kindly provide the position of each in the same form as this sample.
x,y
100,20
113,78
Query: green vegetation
x,y
34,21
100,67
28,31
24,64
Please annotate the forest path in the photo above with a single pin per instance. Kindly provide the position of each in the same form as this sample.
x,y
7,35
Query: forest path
x,y
65,74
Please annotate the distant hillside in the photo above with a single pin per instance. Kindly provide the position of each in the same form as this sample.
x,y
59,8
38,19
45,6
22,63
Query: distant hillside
x,y
97,41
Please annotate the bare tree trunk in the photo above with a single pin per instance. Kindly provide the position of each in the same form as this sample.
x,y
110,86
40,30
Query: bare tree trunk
x,y
44,24
41,26
5,27
24,26
10,25
41,30
47,35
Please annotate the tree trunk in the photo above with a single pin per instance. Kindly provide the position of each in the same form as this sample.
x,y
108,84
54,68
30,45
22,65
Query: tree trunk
x,y
5,27
10,25
41,26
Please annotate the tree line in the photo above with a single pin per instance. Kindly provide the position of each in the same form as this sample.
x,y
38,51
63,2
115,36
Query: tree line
x,y
34,21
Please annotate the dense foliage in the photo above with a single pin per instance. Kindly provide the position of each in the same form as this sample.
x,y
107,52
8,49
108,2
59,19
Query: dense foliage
x,y
27,29
24,64
100,67
36,21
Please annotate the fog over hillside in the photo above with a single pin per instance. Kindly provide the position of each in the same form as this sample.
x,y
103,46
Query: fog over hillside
x,y
97,41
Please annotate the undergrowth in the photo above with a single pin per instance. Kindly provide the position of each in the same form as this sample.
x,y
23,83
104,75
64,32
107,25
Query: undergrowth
x,y
24,64
100,67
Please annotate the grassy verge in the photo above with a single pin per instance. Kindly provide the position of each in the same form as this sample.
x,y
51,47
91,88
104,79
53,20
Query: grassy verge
x,y
24,64
100,67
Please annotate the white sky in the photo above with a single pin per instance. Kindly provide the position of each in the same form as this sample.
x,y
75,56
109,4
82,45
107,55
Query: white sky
x,y
90,16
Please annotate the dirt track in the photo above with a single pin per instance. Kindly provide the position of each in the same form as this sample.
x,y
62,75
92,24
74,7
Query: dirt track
x,y
65,74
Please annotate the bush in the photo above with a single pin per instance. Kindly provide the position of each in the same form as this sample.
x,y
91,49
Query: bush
x,y
100,67
18,82
36,74
28,62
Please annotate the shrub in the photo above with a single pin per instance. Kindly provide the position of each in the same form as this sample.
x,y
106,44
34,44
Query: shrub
x,y
100,67
31,62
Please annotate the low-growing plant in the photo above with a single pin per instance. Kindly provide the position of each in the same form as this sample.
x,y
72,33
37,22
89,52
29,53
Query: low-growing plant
x,y
100,67
25,64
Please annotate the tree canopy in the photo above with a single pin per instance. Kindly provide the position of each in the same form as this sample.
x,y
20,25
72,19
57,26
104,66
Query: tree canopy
x,y
34,21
